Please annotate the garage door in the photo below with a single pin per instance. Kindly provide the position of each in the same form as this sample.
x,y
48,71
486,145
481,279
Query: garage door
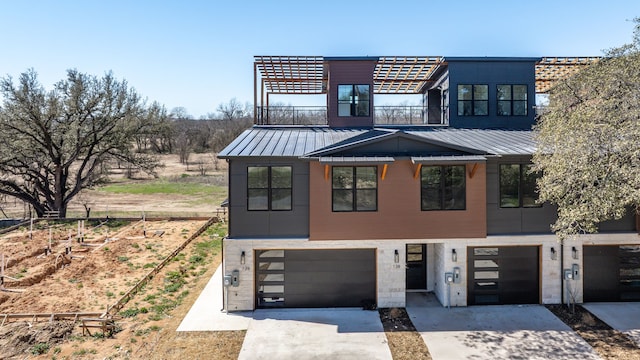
x,y
315,278
503,275
611,273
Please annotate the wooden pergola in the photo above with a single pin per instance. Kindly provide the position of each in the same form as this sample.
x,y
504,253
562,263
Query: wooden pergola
x,y
551,69
392,75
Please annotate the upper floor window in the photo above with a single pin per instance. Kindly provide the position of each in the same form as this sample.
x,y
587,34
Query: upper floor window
x,y
473,100
354,188
518,186
269,188
353,100
512,100
443,187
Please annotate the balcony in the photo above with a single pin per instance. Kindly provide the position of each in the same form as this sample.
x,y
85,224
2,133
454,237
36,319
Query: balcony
x,y
394,115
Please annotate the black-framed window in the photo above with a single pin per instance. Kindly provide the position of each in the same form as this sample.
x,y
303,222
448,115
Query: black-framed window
x,y
354,188
269,188
443,187
353,100
512,100
473,100
518,186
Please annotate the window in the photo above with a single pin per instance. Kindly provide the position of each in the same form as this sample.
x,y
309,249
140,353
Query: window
x,y
354,188
269,188
443,187
353,100
517,186
473,100
512,100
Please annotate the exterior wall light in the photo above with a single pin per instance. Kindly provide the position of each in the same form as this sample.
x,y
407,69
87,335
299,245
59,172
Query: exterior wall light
x,y
242,257
554,253
396,256
574,252
454,255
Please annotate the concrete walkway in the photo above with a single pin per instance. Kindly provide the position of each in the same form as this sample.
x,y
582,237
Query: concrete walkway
x,y
291,333
624,317
206,313
494,332
296,334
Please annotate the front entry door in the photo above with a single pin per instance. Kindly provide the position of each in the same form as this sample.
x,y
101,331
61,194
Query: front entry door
x,y
416,267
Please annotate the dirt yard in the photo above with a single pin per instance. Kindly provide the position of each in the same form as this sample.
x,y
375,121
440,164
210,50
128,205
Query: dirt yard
x,y
106,262
96,273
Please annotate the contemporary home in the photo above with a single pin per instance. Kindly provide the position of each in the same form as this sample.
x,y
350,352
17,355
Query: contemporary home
x,y
354,204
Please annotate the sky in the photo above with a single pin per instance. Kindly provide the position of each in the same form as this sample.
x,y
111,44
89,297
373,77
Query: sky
x,y
199,54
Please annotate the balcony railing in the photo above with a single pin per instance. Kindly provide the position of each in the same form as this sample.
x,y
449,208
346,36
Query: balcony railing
x,y
401,115
291,115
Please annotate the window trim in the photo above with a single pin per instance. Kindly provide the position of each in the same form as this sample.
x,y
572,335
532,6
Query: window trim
x,y
521,173
354,189
353,102
473,100
512,101
270,188
443,186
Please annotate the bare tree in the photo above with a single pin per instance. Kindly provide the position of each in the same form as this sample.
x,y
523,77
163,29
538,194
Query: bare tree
x,y
60,138
234,110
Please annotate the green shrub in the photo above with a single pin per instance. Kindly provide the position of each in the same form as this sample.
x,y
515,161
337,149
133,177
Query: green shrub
x,y
40,348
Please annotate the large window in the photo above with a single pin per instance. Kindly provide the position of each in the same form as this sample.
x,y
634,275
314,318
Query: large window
x,y
354,188
512,100
473,100
353,100
517,186
443,187
269,188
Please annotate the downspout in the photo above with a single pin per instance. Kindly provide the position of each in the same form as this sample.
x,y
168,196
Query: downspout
x,y
562,272
222,276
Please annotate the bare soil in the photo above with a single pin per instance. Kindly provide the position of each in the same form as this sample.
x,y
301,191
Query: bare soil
x,y
107,264
405,342
146,327
111,259
608,343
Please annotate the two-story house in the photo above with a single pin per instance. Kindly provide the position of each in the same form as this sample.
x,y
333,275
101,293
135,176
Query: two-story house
x,y
355,204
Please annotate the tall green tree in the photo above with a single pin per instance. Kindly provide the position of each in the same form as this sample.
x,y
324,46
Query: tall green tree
x,y
54,143
589,143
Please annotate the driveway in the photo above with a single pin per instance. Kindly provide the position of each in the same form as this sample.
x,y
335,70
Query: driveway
x,y
624,317
494,332
315,334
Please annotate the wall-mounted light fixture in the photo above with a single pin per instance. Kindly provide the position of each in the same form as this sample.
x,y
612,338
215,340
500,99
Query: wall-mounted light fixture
x,y
396,256
454,255
554,253
574,252
243,257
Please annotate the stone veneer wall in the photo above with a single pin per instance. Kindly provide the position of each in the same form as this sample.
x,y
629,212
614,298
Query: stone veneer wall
x,y
391,276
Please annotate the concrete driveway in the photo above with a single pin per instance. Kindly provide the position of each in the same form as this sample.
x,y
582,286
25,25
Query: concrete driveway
x,y
624,317
315,334
494,332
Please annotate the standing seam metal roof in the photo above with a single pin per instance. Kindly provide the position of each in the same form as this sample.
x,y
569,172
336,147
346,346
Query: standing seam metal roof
x,y
299,141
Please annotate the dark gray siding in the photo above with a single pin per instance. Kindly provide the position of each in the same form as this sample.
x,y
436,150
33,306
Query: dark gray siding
x,y
492,73
627,223
531,220
513,220
268,224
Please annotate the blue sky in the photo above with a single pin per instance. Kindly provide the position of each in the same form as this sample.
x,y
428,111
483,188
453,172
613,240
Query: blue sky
x,y
198,54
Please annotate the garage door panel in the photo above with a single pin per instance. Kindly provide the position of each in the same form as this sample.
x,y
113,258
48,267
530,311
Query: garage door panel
x,y
503,275
324,265
611,273
322,255
326,278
